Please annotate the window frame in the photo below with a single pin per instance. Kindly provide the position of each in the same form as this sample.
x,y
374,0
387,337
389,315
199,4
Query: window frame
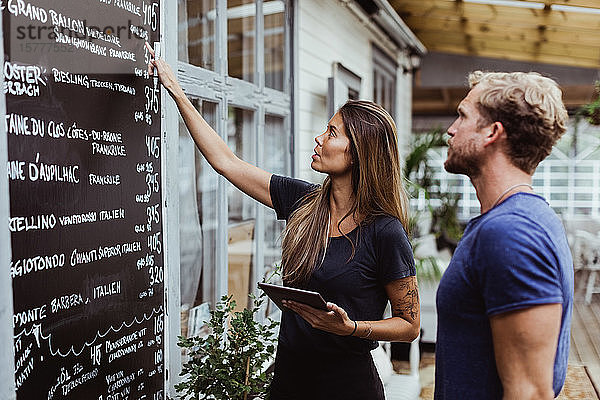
x,y
384,75
343,85
216,86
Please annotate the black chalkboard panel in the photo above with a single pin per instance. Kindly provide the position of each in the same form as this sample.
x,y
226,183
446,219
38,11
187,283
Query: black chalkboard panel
x,y
83,127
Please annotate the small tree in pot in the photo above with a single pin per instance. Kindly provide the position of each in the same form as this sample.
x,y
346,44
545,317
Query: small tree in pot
x,y
229,363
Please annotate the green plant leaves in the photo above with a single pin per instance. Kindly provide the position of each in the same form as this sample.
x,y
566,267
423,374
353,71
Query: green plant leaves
x,y
229,363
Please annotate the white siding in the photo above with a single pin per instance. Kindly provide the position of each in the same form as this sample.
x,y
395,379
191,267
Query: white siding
x,y
330,32
404,105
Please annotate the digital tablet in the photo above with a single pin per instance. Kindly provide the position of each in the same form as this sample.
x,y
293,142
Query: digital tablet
x,y
278,293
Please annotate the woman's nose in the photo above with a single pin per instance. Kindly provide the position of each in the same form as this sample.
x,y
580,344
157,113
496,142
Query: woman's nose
x,y
319,139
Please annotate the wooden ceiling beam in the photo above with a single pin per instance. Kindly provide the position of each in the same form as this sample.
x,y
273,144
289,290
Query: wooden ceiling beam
x,y
493,13
444,101
416,21
572,3
518,56
482,43
512,33
588,37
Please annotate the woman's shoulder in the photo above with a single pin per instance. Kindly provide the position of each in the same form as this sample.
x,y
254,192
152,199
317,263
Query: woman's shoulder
x,y
388,226
285,183
388,236
286,193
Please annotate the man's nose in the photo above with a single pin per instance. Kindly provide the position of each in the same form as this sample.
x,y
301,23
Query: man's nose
x,y
451,131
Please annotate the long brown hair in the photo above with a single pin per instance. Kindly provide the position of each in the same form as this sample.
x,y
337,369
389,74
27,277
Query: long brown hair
x,y
376,184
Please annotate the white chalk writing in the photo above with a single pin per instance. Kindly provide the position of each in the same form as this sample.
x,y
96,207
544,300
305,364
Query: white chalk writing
x,y
128,6
62,21
108,289
34,222
25,266
23,357
104,179
106,215
23,79
28,316
66,302
77,219
80,43
20,7
66,388
22,377
71,79
96,34
117,150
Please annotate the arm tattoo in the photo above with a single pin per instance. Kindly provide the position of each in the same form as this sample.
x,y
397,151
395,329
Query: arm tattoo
x,y
406,305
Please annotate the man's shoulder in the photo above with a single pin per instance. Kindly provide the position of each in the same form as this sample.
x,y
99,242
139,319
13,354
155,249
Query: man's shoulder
x,y
529,215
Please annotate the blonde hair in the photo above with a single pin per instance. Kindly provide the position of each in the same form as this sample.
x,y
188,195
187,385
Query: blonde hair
x,y
376,183
530,108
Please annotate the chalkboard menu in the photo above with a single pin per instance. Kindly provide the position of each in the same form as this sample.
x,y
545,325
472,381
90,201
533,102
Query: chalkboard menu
x,y
84,169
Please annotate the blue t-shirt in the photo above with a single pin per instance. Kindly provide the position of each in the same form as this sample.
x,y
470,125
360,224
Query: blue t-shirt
x,y
383,254
513,256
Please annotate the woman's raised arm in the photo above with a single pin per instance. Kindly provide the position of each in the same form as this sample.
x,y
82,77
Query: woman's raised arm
x,y
248,178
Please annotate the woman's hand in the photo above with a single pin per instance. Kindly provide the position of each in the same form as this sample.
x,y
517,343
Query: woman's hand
x,y
334,321
165,73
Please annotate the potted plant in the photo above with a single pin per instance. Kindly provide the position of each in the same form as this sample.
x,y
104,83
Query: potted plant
x,y
435,231
591,111
230,363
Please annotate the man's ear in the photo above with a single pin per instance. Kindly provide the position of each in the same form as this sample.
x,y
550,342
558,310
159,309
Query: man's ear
x,y
496,131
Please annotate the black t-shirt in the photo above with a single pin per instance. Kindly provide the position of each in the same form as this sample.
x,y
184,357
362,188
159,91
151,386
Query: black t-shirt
x,y
383,254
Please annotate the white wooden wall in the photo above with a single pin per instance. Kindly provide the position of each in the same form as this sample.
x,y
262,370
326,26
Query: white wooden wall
x,y
329,31
404,82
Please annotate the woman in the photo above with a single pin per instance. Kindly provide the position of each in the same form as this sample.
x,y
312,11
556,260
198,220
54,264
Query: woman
x,y
345,239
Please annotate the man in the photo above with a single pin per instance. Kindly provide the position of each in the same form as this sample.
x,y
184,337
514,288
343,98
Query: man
x,y
505,302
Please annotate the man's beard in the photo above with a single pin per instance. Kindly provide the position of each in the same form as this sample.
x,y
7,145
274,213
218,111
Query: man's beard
x,y
463,161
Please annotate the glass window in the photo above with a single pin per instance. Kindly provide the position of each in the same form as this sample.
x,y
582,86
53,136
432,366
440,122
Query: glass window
x,y
278,161
204,260
197,221
344,85
240,38
274,12
384,80
197,32
241,209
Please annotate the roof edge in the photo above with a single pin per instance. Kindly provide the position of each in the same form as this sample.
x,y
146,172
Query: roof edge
x,y
384,14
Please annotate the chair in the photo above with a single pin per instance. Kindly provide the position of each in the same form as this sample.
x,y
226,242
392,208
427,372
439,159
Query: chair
x,y
398,386
239,253
586,257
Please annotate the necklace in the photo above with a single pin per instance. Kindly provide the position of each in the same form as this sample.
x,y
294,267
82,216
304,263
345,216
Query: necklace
x,y
508,190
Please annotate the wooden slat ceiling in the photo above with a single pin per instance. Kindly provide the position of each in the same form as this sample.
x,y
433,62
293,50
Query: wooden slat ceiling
x,y
508,32
444,101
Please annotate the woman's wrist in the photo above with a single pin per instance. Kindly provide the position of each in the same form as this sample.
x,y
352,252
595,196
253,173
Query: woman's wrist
x,y
368,331
354,329
363,330
176,93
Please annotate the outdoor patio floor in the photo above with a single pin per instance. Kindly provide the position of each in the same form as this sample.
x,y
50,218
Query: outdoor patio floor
x,y
585,337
